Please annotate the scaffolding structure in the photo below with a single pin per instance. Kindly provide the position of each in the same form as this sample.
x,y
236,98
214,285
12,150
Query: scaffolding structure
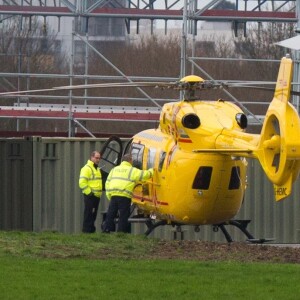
x,y
132,13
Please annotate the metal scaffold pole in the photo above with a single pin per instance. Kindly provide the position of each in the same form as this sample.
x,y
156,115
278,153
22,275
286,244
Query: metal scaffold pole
x,y
183,41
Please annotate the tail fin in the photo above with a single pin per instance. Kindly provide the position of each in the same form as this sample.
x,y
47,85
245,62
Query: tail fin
x,y
279,147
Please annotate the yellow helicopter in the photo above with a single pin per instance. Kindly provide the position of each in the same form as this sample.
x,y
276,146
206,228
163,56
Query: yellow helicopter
x,y
199,153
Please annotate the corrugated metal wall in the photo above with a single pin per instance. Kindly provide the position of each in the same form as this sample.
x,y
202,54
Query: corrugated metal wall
x,y
58,203
16,171
39,191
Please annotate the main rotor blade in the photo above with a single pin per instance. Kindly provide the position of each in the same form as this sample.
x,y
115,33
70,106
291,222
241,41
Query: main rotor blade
x,y
24,92
97,85
207,84
248,83
294,93
111,85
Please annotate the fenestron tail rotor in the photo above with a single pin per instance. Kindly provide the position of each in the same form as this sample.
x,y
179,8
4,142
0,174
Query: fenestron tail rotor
x,y
279,149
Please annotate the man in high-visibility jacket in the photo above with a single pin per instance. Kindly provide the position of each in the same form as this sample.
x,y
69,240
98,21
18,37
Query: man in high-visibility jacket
x,y
90,182
119,187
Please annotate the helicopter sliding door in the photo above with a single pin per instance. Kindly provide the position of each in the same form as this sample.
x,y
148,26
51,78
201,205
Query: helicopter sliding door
x,y
111,155
143,158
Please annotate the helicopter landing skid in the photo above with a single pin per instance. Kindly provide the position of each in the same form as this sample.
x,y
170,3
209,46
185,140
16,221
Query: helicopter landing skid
x,y
152,226
150,223
240,224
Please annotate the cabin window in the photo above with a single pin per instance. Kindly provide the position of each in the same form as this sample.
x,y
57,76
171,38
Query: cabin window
x,y
235,181
202,178
162,157
151,158
137,151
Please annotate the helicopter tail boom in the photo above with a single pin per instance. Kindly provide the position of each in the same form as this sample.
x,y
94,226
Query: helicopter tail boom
x,y
279,146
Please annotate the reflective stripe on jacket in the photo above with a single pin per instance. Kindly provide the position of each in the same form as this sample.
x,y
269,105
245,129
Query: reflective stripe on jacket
x,y
122,179
90,179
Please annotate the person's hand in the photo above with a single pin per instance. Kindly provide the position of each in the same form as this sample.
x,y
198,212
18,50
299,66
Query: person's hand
x,y
151,171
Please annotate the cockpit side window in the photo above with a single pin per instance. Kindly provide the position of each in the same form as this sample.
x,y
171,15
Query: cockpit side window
x,y
151,158
162,157
202,178
137,151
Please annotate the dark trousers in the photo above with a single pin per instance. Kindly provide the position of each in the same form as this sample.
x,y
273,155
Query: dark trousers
x,y
91,204
121,205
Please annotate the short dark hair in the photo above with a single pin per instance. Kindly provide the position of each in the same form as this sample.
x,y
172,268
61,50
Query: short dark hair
x,y
127,157
94,153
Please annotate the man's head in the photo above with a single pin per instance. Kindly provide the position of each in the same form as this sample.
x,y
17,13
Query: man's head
x,y
127,157
95,157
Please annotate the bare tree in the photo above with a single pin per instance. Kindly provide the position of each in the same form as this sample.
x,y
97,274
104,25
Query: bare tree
x,y
261,39
27,45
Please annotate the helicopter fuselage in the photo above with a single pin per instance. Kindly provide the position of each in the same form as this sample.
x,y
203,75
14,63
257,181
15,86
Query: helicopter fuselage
x,y
189,187
199,155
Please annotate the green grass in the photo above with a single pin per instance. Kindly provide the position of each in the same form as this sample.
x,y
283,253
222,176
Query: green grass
x,y
57,266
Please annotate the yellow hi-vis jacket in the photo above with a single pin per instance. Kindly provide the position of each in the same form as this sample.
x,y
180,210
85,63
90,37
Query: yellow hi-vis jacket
x,y
121,180
90,179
